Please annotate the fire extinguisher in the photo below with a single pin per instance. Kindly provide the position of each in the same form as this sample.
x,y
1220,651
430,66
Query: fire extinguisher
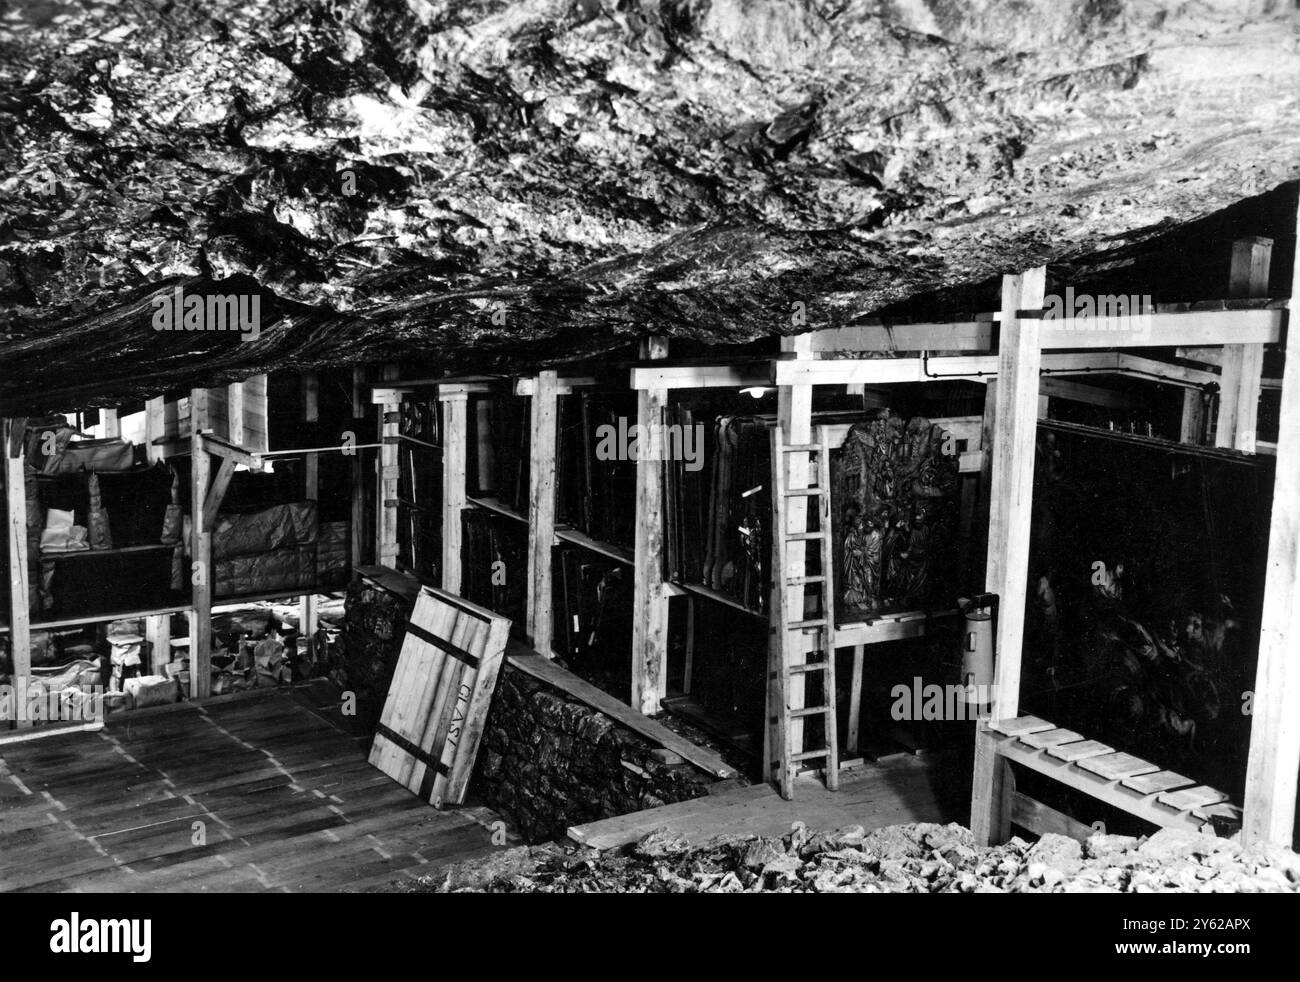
x,y
979,615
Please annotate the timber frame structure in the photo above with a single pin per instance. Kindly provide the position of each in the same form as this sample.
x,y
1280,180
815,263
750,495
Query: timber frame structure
x,y
1023,359
217,442
1018,355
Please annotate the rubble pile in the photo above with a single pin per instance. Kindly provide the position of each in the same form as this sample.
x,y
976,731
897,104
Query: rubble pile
x,y
922,858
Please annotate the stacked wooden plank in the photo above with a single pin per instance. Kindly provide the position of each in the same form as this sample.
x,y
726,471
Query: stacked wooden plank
x,y
1120,779
438,701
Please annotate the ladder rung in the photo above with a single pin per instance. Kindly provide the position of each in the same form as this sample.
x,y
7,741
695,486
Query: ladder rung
x,y
803,580
805,493
812,666
802,448
802,536
810,755
814,622
810,711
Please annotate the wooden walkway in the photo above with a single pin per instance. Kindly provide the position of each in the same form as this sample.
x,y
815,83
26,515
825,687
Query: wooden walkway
x,y
891,792
286,800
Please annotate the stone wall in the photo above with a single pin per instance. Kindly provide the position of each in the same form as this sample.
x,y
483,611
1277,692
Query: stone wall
x,y
549,761
363,661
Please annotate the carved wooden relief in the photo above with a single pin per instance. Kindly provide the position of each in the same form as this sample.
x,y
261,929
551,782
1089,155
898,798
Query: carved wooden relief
x,y
895,517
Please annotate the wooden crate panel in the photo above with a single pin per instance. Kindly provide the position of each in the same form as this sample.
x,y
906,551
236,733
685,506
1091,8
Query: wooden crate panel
x,y
1116,766
438,701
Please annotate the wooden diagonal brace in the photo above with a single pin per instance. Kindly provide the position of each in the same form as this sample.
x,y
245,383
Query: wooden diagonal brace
x,y
216,492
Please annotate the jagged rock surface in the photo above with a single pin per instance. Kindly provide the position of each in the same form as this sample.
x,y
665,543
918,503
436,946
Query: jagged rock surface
x,y
923,858
388,174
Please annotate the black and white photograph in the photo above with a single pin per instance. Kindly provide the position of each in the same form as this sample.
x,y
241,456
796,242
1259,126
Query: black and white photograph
x,y
650,447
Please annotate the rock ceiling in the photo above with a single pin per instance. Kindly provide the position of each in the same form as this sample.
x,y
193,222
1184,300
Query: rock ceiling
x,y
490,185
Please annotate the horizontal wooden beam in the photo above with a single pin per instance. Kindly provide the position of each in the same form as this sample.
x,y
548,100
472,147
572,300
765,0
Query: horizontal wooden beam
x,y
702,377
846,371
1092,395
564,386
238,455
968,335
1191,327
1173,373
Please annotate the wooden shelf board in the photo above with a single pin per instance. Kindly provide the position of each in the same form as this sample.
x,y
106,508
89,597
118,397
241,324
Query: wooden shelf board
x,y
700,590
495,504
103,618
124,550
617,553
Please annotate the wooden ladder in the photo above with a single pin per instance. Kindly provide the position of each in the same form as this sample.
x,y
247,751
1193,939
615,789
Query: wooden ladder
x,y
790,627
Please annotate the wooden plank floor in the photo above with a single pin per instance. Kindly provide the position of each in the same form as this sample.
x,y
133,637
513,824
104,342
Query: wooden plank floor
x,y
286,798
891,792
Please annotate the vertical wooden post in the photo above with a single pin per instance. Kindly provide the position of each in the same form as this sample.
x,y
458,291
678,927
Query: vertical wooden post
x,y
541,511
1274,758
649,601
310,386
111,423
455,462
387,470
1243,364
200,552
854,736
357,472
1193,423
1010,510
20,634
235,414
157,627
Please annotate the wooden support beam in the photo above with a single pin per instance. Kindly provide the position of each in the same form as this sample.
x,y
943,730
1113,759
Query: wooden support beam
x,y
357,489
1162,330
1274,759
455,464
1192,428
157,627
854,736
1242,365
218,447
155,428
309,385
212,502
563,387
387,469
649,601
1092,395
200,550
112,426
701,377
541,511
20,635
235,421
1011,506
